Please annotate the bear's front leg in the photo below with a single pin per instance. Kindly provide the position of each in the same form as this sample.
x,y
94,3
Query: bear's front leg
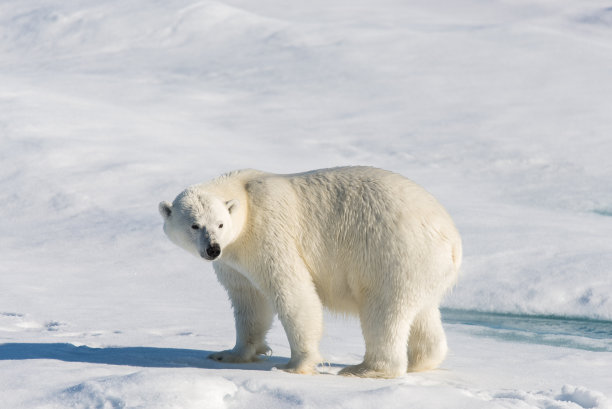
x,y
303,323
253,315
300,311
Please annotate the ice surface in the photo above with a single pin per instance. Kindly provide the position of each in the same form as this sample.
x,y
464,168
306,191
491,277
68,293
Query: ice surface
x,y
501,109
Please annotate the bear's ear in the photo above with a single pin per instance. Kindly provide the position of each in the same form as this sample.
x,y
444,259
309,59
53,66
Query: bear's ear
x,y
232,205
165,209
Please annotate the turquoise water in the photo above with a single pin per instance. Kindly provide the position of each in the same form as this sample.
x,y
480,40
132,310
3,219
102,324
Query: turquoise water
x,y
586,334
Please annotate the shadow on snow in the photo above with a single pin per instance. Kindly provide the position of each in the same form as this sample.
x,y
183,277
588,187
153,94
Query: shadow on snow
x,y
128,356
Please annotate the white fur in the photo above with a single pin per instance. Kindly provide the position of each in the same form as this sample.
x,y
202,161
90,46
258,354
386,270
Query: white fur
x,y
357,240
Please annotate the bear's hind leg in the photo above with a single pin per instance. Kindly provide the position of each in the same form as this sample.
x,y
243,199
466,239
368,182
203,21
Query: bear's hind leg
x,y
427,346
385,329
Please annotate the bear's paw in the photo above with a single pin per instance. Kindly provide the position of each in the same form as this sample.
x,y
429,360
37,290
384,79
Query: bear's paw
x,y
298,369
231,357
365,371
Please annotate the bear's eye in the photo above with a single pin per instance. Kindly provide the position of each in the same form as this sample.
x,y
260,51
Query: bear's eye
x,y
195,226
221,226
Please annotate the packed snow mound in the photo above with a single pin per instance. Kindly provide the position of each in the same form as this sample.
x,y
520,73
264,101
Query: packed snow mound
x,y
147,389
190,389
571,397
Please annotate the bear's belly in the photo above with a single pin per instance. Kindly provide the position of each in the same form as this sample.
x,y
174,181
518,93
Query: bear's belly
x,y
336,291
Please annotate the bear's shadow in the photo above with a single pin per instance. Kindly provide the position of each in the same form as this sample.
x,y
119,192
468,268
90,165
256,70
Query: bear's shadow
x,y
128,356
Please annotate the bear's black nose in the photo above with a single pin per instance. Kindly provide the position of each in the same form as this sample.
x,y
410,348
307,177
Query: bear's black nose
x,y
213,251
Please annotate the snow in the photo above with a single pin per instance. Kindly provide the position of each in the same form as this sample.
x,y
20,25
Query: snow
x,y
500,108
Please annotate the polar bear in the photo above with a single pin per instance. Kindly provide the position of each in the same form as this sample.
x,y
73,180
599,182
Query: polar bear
x,y
357,240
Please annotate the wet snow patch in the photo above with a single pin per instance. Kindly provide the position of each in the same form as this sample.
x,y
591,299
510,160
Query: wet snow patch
x,y
604,211
577,333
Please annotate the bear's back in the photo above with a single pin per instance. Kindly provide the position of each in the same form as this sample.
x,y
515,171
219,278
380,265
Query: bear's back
x,y
341,199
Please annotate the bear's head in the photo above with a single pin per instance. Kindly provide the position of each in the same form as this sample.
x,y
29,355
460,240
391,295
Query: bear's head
x,y
200,222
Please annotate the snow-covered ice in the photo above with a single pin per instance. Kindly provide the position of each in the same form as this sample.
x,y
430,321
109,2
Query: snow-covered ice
x,y
502,109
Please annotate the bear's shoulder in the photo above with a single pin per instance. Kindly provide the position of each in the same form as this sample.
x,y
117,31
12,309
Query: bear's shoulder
x,y
230,182
238,176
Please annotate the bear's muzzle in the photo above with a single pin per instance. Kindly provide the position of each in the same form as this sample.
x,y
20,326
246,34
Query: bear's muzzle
x,y
212,252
